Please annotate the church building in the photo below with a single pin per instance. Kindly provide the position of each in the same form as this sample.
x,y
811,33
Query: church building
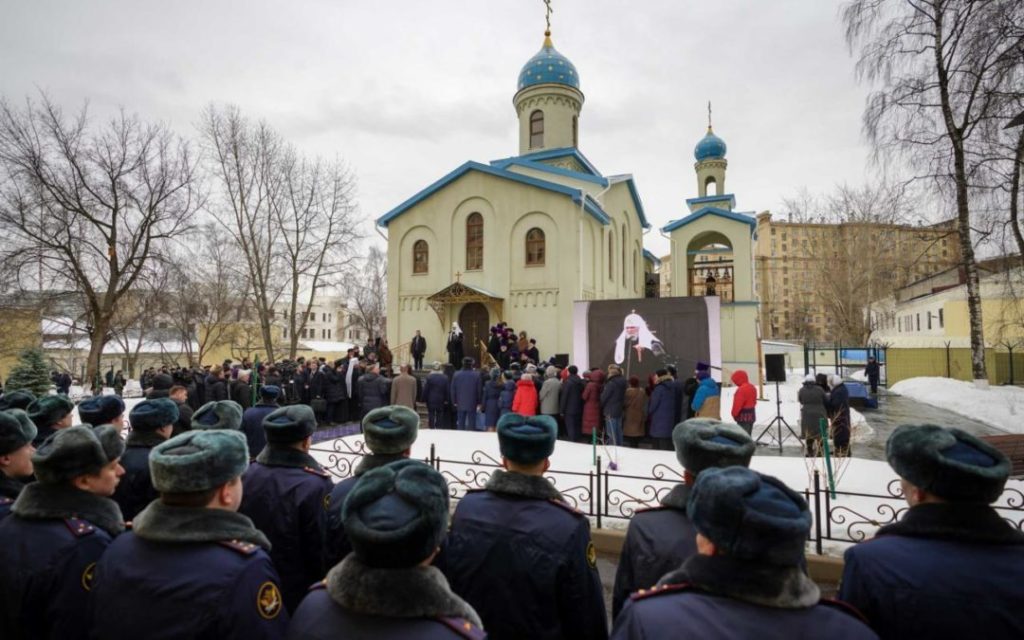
x,y
520,238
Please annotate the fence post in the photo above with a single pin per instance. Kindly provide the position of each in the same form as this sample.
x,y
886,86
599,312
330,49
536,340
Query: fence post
x,y
1010,347
807,365
600,494
817,511
433,458
947,359
836,350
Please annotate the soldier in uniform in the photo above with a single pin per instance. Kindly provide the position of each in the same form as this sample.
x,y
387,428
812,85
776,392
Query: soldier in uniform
x,y
51,414
952,567
59,527
286,493
218,414
746,580
152,423
396,517
99,410
660,539
389,433
16,434
191,567
518,553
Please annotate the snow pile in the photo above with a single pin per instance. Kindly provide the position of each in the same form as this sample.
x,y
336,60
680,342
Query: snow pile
x,y
1001,407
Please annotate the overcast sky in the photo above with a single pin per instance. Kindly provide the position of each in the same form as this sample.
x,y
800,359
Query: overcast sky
x,y
405,91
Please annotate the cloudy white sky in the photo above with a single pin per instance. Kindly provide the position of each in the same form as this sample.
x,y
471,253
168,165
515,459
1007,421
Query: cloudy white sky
x,y
406,90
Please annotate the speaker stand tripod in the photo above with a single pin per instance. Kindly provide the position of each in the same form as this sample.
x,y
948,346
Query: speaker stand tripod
x,y
778,422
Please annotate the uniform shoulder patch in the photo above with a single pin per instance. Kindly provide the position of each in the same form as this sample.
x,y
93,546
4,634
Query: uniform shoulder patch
x,y
591,555
316,472
463,627
661,590
568,507
845,607
242,547
268,600
79,527
89,576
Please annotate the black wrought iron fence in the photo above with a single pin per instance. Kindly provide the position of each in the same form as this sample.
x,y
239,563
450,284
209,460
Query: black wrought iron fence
x,y
839,516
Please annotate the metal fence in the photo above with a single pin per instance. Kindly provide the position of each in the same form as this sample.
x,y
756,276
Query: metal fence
x,y
839,516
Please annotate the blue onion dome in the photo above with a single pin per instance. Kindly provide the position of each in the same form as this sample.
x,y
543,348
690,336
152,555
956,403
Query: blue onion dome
x,y
548,67
710,147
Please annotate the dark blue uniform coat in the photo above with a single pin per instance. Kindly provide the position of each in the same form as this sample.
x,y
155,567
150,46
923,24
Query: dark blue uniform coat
x,y
943,571
718,598
49,547
435,390
10,489
136,490
661,409
357,601
285,495
337,546
492,393
198,574
465,393
252,426
658,541
524,560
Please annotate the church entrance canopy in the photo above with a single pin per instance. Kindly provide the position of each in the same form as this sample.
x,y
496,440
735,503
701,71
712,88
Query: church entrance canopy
x,y
459,293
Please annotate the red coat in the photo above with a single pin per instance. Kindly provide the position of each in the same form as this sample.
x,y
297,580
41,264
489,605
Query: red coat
x,y
746,394
525,401
592,402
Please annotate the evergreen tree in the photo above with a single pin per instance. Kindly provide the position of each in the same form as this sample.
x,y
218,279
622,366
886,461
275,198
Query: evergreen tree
x,y
31,372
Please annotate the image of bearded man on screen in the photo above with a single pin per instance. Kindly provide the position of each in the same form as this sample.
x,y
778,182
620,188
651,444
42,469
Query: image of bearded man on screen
x,y
636,338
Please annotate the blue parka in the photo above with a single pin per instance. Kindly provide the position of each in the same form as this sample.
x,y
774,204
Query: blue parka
x,y
661,408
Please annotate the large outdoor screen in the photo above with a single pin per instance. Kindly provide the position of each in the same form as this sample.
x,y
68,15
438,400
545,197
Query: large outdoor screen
x,y
643,335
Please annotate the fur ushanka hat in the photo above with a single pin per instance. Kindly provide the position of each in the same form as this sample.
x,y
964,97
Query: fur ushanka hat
x,y
17,399
218,414
49,410
16,430
198,460
702,443
150,415
390,430
526,439
100,409
950,463
76,451
289,424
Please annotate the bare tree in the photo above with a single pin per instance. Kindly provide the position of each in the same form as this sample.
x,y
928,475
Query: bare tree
x,y
87,208
292,218
939,67
135,322
369,285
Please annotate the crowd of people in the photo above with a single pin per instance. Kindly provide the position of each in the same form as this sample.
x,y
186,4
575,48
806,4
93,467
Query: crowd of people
x,y
222,544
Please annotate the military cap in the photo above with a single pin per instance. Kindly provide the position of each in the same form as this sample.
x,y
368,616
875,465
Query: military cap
x,y
749,515
76,451
289,424
702,443
948,462
526,439
218,414
49,410
396,515
390,430
100,409
17,399
198,461
270,392
152,414
162,382
16,430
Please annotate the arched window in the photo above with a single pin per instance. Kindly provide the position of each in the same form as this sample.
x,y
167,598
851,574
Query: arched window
x,y
623,240
420,256
636,272
575,131
537,129
535,247
474,241
710,186
611,255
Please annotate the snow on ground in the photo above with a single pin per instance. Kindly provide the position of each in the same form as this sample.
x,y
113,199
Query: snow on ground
x,y
644,475
1001,407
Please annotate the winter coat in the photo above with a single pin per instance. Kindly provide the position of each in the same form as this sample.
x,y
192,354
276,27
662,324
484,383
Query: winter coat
x,y
466,390
523,559
435,390
942,571
571,396
455,350
706,402
403,391
813,400
525,402
613,396
373,391
745,400
872,371
549,393
635,413
418,346
334,385
839,408
216,389
719,597
252,425
506,397
689,390
662,408
592,402
135,490
241,392
492,396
